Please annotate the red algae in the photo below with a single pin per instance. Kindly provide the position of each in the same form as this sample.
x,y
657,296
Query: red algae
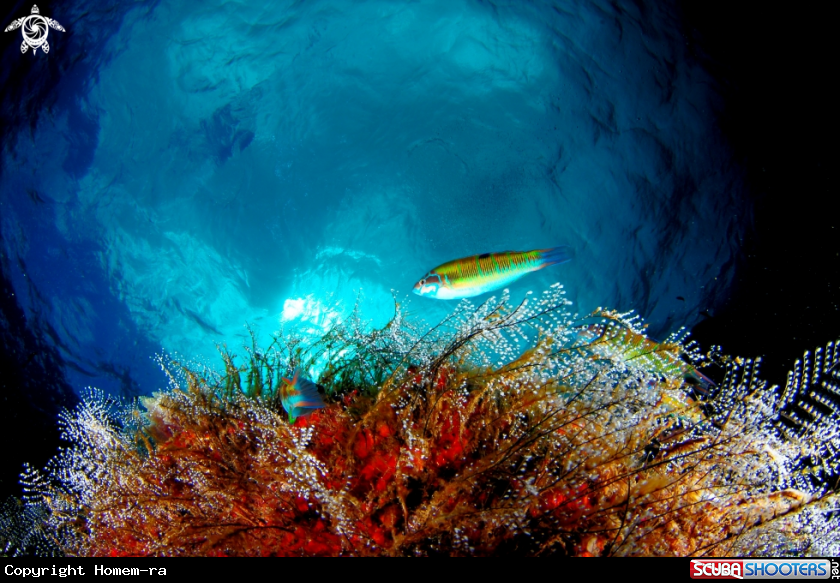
x,y
502,431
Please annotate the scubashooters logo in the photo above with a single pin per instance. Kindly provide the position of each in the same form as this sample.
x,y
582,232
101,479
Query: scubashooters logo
x,y
762,569
35,29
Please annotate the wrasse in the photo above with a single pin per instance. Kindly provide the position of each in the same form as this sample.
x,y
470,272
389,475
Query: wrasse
x,y
299,396
471,276
637,350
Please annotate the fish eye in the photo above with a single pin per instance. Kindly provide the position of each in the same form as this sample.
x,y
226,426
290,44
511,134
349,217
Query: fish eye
x,y
423,281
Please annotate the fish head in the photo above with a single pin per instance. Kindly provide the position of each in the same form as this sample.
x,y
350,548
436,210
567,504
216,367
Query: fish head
x,y
429,286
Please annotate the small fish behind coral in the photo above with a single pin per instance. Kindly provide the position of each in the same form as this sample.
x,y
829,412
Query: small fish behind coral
x,y
478,274
299,396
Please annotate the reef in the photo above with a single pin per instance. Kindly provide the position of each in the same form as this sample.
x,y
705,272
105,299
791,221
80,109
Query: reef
x,y
503,430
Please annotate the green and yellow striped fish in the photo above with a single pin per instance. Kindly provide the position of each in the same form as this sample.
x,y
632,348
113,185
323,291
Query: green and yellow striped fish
x,y
471,276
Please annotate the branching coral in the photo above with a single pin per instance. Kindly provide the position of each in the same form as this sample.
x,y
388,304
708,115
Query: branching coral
x,y
503,430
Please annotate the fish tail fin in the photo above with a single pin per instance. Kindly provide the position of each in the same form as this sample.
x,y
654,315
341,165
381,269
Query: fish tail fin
x,y
307,396
699,381
555,255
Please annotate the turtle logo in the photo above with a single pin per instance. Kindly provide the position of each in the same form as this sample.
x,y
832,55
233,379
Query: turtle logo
x,y
34,28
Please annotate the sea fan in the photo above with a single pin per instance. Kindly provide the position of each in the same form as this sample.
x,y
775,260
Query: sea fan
x,y
502,430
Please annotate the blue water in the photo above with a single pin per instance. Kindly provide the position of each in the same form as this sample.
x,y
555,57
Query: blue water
x,y
179,171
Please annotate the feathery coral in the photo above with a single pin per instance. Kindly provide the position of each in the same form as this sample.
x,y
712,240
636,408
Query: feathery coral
x,y
502,430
